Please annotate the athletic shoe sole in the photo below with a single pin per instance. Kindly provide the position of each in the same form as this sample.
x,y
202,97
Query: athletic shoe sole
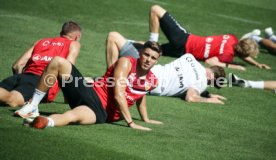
x,y
29,115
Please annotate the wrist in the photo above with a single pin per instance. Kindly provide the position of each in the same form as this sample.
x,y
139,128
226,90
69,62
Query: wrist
x,y
204,99
129,123
226,65
146,120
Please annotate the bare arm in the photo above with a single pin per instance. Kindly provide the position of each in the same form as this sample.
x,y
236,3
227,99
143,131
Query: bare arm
x,y
142,108
250,60
214,61
74,52
22,61
120,76
193,96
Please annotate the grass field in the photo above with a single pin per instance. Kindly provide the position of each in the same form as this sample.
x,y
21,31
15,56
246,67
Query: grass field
x,y
243,128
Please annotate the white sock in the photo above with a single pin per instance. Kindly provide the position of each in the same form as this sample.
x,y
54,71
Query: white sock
x,y
256,84
153,37
37,97
51,122
257,38
273,38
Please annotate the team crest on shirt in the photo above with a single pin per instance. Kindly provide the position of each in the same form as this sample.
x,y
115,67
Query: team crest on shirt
x,y
147,86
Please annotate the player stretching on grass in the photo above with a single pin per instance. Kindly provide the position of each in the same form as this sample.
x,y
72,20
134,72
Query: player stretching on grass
x,y
19,88
265,85
269,42
184,77
214,50
124,83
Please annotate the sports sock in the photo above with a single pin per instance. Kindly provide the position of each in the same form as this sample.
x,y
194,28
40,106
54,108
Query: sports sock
x,y
51,122
256,84
153,37
37,97
273,38
257,38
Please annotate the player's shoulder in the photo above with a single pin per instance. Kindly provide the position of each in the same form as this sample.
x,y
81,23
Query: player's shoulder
x,y
75,44
188,56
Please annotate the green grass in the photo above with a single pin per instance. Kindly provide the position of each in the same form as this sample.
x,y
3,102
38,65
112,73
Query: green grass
x,y
243,128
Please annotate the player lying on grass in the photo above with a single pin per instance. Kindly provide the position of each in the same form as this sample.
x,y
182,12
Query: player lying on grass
x,y
184,77
19,88
214,50
268,42
265,85
109,98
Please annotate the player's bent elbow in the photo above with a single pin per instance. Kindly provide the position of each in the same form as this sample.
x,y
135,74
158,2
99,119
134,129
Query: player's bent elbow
x,y
190,99
210,62
112,36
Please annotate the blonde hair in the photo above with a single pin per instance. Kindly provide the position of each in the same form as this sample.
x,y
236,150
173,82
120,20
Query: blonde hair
x,y
246,47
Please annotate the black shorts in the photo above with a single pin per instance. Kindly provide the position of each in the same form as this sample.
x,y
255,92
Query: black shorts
x,y
23,83
176,34
77,93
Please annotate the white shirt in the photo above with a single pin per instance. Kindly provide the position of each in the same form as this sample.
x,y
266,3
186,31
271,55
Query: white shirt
x,y
178,76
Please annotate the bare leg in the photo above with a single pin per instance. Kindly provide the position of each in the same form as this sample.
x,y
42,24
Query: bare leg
x,y
13,98
57,68
80,115
270,85
269,45
156,12
114,43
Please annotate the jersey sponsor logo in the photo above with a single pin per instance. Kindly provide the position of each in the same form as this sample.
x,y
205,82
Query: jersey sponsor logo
x,y
223,42
208,46
47,43
180,77
38,57
209,39
190,60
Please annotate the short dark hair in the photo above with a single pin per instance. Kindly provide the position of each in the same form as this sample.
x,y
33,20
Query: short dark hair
x,y
154,46
69,26
218,73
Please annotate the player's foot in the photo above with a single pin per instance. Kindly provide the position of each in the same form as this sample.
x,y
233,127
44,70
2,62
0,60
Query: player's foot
x,y
27,111
40,122
268,32
255,32
236,81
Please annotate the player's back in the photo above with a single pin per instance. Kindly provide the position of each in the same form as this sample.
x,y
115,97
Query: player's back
x,y
44,51
210,46
176,77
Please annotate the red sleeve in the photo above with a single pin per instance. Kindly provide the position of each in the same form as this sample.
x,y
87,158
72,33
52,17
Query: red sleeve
x,y
226,58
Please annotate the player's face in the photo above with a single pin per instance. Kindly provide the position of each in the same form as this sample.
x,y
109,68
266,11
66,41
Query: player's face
x,y
77,35
148,58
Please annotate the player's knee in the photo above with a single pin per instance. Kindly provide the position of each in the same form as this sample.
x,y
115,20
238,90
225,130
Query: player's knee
x,y
72,117
156,10
57,61
113,36
14,101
